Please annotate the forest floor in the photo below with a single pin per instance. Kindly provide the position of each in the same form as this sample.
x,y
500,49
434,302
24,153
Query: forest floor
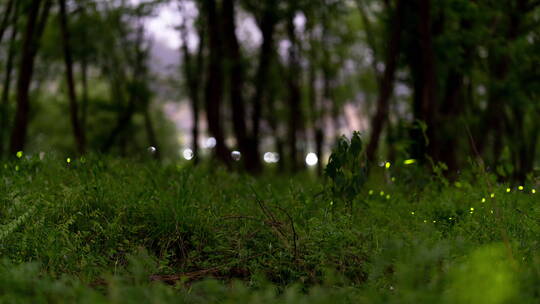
x,y
104,230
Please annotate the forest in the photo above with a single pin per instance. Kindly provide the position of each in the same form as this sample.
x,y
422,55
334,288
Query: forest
x,y
269,151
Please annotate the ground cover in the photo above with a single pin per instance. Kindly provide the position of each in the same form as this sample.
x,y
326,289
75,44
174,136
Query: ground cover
x,y
105,230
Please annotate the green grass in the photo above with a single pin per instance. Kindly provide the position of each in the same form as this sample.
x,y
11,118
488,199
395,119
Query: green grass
x,y
118,231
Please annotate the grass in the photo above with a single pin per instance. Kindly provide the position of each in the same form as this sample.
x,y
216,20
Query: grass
x,y
104,230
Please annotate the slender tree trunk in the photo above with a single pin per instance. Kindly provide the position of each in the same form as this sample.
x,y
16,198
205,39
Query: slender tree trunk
x,y
295,111
192,75
267,26
386,85
78,131
37,18
316,112
4,122
5,19
84,110
150,131
236,86
425,86
214,83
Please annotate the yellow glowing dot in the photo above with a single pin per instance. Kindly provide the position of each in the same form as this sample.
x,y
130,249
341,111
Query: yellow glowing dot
x,y
409,161
533,191
491,211
472,209
68,160
520,188
388,196
19,154
483,200
492,195
17,168
425,221
450,218
412,212
331,203
370,192
382,193
434,221
387,165
393,179
508,190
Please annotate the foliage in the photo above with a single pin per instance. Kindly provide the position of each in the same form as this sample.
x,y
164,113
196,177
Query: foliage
x,y
347,168
101,230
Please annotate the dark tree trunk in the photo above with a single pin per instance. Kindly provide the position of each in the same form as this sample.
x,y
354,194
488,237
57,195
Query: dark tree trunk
x,y
386,85
495,117
84,110
5,19
4,123
150,131
453,104
316,112
78,131
214,83
236,86
295,111
193,75
428,90
267,26
37,18
424,86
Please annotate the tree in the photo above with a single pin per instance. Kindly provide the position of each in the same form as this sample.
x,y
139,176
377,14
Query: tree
x,y
38,13
78,130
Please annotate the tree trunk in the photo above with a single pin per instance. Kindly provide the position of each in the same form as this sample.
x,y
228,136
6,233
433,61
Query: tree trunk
x,y
295,111
5,20
78,131
236,86
36,21
316,112
150,131
84,110
424,87
267,26
4,122
386,85
214,83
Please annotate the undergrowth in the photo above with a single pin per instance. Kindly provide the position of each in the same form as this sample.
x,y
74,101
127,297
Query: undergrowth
x,y
102,230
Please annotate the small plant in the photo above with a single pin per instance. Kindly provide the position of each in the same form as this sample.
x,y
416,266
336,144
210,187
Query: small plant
x,y
347,168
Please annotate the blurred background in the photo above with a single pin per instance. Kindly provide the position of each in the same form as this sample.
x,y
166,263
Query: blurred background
x,y
273,83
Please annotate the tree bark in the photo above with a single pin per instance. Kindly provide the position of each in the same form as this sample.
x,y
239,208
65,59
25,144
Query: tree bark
x,y
78,131
267,26
37,18
5,20
214,83
150,131
295,111
386,85
84,106
193,75
236,86
4,123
